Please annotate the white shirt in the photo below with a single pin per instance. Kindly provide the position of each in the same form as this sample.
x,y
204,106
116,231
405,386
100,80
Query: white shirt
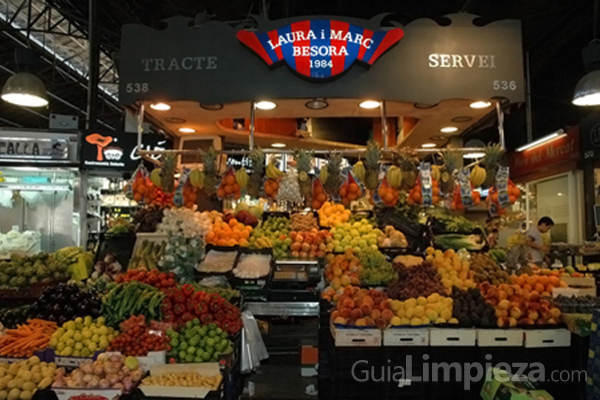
x,y
537,256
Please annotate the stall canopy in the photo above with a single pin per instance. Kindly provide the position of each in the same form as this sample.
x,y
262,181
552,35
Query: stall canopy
x,y
210,72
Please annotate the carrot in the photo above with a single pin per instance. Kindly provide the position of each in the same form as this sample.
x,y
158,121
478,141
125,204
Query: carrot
x,y
27,338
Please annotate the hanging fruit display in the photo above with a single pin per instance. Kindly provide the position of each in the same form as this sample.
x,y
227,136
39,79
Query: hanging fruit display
x,y
453,161
436,172
167,173
229,186
155,177
372,156
242,178
415,196
478,176
210,171
319,195
271,188
491,161
408,162
289,189
350,190
387,194
394,177
359,171
189,196
333,180
257,160
494,199
304,167
458,203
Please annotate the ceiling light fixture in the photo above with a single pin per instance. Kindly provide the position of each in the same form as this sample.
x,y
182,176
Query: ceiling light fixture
x,y
317,104
449,129
265,105
25,89
212,107
428,145
587,90
187,130
160,106
560,194
474,144
555,135
369,104
470,156
278,145
480,104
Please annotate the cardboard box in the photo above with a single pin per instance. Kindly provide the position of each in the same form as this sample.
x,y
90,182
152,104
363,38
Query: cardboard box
x,y
12,360
582,282
355,337
406,337
153,358
207,369
547,338
574,292
500,337
66,394
500,385
464,337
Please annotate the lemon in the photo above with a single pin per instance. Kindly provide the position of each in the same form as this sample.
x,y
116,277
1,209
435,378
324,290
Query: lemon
x,y
421,301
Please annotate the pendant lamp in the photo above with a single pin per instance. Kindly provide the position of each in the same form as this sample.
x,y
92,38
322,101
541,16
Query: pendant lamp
x,y
24,88
587,91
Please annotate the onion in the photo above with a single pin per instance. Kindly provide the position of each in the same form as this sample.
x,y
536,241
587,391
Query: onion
x,y
111,368
104,384
102,358
87,378
116,358
125,369
86,368
120,375
117,385
112,379
98,371
71,383
93,383
77,373
136,375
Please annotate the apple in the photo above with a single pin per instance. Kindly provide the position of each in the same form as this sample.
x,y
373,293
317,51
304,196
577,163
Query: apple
x,y
503,322
512,322
516,313
533,315
555,312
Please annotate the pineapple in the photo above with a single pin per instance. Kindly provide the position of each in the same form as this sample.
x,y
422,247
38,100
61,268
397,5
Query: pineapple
x,y
334,181
453,161
257,158
304,166
372,156
407,162
491,161
210,171
167,173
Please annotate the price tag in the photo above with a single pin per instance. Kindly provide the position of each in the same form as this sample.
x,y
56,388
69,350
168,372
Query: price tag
x,y
426,184
464,183
502,186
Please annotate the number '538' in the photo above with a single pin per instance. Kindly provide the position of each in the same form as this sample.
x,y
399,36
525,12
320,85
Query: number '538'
x,y
137,87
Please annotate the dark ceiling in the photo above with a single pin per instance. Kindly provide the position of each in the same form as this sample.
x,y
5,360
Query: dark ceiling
x,y
554,32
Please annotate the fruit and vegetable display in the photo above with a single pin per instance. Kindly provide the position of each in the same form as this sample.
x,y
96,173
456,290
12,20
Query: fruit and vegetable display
x,y
471,309
343,269
82,337
331,214
20,381
148,218
183,379
453,270
115,371
23,271
218,261
457,241
358,236
313,243
11,317
362,307
289,188
433,309
376,269
66,302
131,298
27,338
421,280
228,234
487,270
108,267
197,343
253,266
186,303
153,277
302,222
392,237
136,338
577,304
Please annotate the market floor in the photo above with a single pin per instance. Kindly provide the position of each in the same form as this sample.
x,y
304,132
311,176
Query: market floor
x,y
281,381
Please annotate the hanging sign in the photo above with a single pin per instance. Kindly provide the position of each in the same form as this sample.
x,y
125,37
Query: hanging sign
x,y
117,151
320,48
424,62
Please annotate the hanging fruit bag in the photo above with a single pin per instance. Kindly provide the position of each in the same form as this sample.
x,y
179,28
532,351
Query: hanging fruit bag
x,y
138,186
385,195
319,197
351,189
228,187
427,190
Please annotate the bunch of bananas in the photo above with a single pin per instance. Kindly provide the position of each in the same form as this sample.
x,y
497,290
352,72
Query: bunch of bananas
x,y
359,171
196,178
241,177
478,176
273,172
155,177
436,172
323,175
394,177
261,243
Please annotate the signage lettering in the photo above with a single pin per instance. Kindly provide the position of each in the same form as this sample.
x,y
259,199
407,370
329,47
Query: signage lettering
x,y
320,48
175,64
462,61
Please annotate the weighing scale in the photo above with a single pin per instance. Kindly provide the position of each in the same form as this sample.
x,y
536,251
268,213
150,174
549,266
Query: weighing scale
x,y
296,280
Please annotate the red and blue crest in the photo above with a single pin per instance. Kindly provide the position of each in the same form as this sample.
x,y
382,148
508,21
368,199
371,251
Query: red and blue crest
x,y
320,49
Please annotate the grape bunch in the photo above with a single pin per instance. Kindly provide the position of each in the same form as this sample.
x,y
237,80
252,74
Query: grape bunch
x,y
421,280
376,269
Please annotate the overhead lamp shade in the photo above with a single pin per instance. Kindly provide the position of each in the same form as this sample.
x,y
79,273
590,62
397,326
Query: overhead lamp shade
x,y
25,89
587,91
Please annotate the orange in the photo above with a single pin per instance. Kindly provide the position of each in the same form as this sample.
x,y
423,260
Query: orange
x,y
353,188
388,198
230,180
210,236
138,197
351,196
539,287
343,192
235,187
220,193
531,281
228,189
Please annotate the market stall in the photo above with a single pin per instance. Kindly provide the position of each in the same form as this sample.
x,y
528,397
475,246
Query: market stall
x,y
279,222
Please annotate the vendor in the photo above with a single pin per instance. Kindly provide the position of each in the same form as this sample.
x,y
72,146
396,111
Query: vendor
x,y
535,240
